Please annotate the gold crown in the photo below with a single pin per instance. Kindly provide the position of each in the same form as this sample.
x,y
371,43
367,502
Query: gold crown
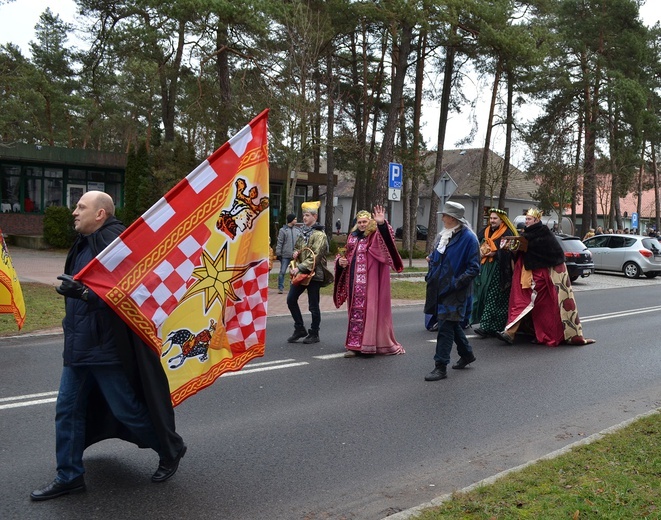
x,y
363,214
534,212
311,206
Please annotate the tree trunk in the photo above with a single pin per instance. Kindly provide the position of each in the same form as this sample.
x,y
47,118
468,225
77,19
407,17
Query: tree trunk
x,y
450,54
330,156
380,174
509,124
414,177
224,86
484,168
657,202
170,85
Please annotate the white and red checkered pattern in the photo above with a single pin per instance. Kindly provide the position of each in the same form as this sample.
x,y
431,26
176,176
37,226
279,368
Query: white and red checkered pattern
x,y
161,290
145,272
245,320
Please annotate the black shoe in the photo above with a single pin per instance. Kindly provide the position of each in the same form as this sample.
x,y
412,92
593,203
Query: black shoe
x,y
482,333
298,334
437,374
167,469
312,337
463,362
57,489
505,337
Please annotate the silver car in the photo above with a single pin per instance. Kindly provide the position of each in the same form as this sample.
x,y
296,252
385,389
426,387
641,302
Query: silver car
x,y
632,255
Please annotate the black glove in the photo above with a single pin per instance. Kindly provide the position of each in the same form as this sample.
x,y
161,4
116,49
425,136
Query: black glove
x,y
70,288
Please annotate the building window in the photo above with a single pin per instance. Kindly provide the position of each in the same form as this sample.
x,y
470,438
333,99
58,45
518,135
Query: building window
x,y
11,189
275,201
53,187
300,196
77,174
33,198
115,191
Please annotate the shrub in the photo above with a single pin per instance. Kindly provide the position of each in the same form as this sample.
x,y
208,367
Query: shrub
x,y
417,253
58,227
332,247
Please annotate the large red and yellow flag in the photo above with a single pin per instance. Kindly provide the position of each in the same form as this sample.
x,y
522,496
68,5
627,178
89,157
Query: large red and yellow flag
x,y
11,295
190,276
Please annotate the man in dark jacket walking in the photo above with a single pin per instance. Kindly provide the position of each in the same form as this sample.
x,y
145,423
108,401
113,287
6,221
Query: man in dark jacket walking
x,y
112,384
284,248
452,266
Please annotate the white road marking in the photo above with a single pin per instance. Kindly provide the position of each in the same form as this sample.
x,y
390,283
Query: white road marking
x,y
31,399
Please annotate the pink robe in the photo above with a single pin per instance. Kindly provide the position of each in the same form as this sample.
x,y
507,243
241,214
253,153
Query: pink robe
x,y
365,285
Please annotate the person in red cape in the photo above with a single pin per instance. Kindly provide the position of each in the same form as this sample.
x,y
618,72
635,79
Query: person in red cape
x,y
112,384
362,279
541,289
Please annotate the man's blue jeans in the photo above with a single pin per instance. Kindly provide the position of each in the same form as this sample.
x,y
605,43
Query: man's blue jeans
x,y
448,332
70,411
294,294
284,269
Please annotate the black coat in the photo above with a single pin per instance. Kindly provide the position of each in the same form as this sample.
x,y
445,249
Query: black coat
x,y
143,368
543,249
88,325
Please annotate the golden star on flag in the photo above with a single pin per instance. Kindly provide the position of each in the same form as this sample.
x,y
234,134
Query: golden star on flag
x,y
214,280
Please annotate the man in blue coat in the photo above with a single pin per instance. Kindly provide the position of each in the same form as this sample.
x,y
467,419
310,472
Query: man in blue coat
x,y
452,266
112,384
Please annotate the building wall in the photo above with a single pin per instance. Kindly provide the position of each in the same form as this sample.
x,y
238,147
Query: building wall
x,y
21,224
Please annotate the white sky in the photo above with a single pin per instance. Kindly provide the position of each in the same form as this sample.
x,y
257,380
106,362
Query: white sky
x,y
17,21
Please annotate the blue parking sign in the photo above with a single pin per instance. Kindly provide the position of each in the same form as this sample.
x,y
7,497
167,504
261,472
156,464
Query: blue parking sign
x,y
395,176
634,220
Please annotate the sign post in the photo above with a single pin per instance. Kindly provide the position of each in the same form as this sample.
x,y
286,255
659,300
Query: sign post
x,y
445,187
634,223
395,179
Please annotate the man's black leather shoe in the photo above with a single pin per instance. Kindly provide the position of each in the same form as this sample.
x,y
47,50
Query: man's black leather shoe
x,y
57,489
298,334
167,469
437,374
463,362
312,337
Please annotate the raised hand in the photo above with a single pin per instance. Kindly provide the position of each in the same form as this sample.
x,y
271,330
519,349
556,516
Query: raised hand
x,y
379,214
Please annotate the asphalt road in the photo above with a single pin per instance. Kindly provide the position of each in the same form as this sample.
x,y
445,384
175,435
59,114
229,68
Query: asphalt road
x,y
304,433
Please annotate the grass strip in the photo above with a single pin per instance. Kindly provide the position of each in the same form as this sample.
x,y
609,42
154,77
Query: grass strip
x,y
616,477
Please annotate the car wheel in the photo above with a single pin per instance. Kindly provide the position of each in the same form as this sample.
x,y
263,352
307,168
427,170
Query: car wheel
x,y
573,278
653,274
631,270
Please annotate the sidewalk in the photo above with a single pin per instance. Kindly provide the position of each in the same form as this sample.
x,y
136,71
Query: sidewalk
x,y
45,266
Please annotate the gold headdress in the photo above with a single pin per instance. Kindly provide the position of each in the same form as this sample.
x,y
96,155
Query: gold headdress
x,y
534,212
503,216
311,206
371,226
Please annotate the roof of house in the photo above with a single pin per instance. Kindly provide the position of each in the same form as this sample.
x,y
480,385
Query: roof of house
x,y
628,203
463,166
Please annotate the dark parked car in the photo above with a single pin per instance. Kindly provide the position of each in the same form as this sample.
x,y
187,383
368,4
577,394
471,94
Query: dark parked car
x,y
578,257
422,232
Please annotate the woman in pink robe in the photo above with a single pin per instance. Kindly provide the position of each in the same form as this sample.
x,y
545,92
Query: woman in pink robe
x,y
362,279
